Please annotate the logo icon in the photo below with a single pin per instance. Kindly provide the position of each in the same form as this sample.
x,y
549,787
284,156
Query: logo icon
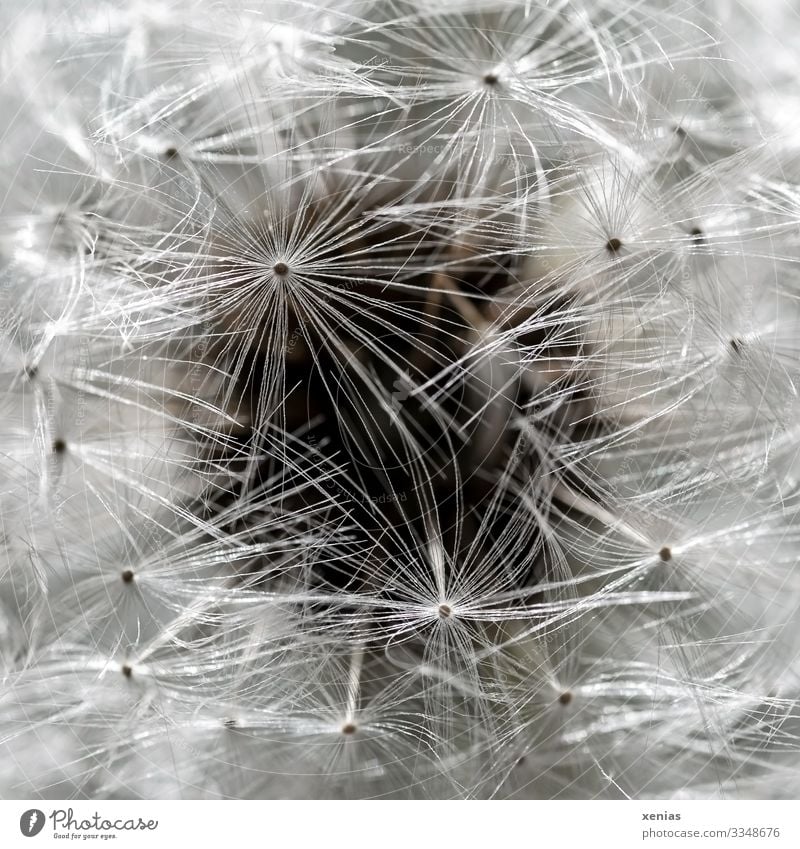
x,y
31,822
402,390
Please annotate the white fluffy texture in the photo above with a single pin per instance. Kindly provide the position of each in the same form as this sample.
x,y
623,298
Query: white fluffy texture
x,y
169,629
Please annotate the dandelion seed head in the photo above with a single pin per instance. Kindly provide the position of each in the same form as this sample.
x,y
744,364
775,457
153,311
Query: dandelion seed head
x,y
355,360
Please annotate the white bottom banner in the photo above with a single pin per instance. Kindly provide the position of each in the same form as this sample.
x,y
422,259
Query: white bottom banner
x,y
385,825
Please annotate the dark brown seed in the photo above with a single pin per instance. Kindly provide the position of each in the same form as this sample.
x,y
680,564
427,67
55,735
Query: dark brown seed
x,y
490,79
281,269
613,245
127,576
565,698
665,554
445,611
697,234
349,728
59,446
